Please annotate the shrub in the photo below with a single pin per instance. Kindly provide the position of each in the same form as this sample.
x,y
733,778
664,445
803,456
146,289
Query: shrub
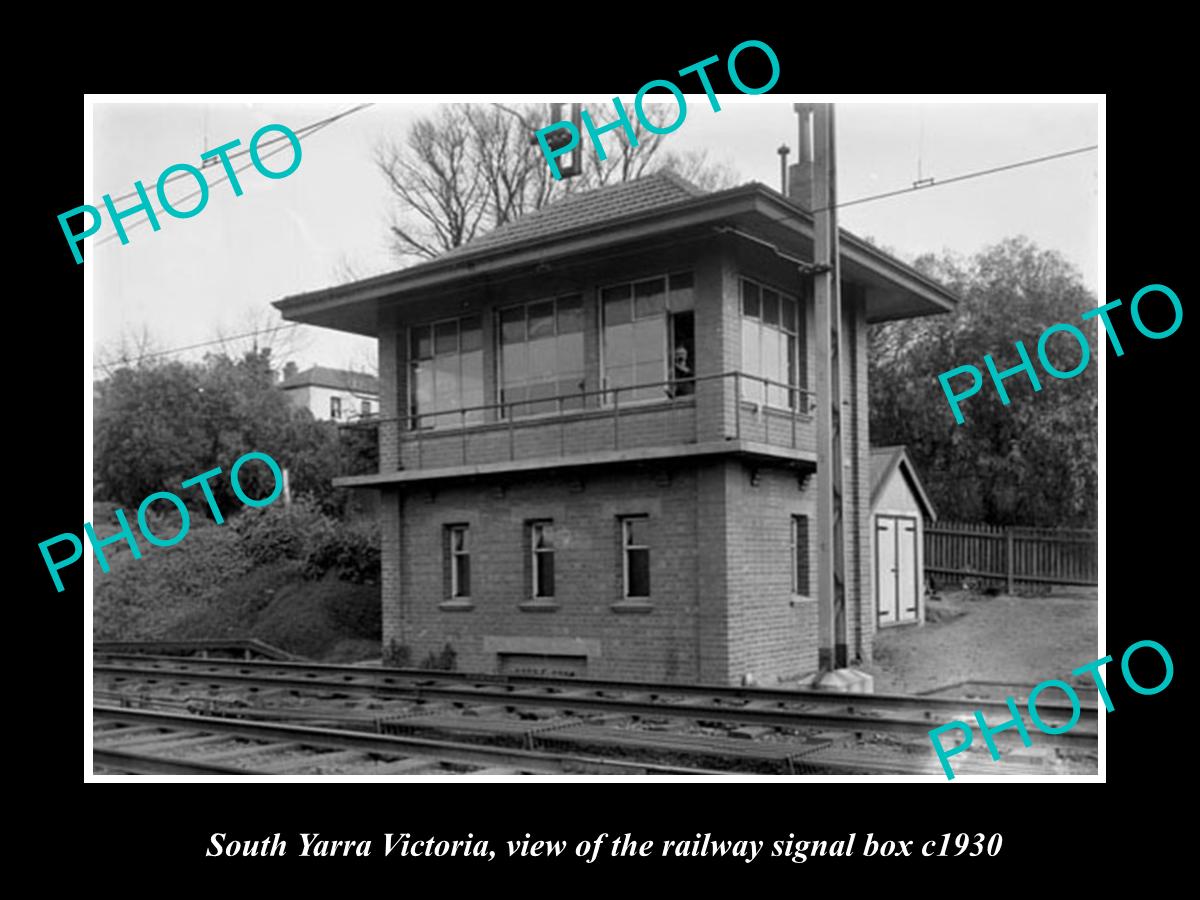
x,y
397,655
349,549
445,660
282,532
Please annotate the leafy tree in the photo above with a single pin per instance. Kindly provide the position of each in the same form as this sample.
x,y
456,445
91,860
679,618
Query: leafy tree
x,y
1033,462
157,425
471,168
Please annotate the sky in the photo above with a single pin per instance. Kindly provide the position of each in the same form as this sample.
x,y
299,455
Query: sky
x,y
216,274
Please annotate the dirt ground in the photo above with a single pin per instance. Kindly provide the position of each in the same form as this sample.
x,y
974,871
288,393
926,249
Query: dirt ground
x,y
971,636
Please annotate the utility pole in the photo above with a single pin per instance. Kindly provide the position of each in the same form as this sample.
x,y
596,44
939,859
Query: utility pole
x,y
817,139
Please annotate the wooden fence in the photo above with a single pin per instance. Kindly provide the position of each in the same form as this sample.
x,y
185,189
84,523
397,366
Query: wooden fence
x,y
1010,558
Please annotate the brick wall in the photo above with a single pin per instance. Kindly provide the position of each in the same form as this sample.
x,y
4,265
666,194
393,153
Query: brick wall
x,y
772,634
656,640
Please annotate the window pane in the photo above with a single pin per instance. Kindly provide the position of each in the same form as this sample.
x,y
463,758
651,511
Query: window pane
x,y
445,388
617,305
545,574
570,315
751,355
445,338
788,314
421,346
463,570
636,532
512,325
649,298
770,307
650,340
472,380
514,363
471,331
681,292
750,303
639,573
618,345
543,357
570,357
541,319
423,389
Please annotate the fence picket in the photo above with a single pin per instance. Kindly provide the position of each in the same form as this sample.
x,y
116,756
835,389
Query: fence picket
x,y
1041,557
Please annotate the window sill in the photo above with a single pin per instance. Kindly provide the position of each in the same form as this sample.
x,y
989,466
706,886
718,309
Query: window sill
x,y
540,605
802,600
632,605
459,604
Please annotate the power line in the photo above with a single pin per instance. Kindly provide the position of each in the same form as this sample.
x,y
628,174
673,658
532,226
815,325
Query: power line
x,y
930,182
299,132
221,340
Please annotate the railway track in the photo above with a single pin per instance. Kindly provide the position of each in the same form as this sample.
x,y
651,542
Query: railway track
x,y
142,741
707,726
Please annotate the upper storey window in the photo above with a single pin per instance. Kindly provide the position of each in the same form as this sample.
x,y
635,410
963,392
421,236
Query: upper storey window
x,y
447,373
648,337
770,331
541,356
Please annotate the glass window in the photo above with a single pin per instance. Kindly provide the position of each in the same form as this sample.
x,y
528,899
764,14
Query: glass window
x,y
447,373
335,407
541,356
542,568
769,346
459,561
635,539
638,333
800,555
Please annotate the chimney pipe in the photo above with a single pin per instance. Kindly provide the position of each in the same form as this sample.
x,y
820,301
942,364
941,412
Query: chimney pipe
x,y
800,184
783,152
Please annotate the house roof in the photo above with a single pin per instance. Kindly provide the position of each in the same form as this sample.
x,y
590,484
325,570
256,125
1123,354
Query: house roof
x,y
338,379
634,213
885,461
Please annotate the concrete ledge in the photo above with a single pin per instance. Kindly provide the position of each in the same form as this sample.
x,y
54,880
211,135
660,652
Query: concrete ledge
x,y
803,459
542,646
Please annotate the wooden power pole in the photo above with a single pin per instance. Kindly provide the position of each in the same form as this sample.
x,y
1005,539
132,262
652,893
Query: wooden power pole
x,y
818,121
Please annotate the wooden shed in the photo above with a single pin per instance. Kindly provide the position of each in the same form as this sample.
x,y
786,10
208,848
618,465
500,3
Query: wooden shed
x,y
899,508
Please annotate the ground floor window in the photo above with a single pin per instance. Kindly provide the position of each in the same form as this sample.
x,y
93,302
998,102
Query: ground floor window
x,y
635,542
459,559
541,541
799,554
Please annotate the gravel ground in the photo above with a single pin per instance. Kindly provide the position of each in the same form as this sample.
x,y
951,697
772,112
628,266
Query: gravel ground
x,y
977,637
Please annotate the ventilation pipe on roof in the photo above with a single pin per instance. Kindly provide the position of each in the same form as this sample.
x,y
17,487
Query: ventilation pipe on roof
x,y
783,152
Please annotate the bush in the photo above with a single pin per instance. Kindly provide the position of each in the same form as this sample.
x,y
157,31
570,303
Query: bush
x,y
397,655
282,532
447,660
350,549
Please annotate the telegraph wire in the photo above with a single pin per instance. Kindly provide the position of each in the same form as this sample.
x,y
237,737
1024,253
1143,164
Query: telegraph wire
x,y
221,340
927,183
299,132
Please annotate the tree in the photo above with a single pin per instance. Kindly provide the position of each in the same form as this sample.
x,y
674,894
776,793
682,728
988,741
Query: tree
x,y
160,423
1032,462
471,168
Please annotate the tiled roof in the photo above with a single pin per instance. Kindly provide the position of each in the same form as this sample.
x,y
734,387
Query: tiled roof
x,y
586,208
339,379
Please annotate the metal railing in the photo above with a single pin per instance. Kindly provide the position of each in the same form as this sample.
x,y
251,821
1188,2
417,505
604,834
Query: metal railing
x,y
616,403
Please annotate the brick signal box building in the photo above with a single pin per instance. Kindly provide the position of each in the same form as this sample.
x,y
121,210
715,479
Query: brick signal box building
x,y
598,440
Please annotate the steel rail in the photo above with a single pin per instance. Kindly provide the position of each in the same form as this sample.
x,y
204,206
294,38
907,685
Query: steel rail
x,y
532,761
509,696
946,707
143,764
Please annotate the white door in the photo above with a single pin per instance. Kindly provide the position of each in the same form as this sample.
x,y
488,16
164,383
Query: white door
x,y
885,568
906,569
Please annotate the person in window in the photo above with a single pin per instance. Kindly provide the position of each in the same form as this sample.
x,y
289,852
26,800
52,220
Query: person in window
x,y
683,381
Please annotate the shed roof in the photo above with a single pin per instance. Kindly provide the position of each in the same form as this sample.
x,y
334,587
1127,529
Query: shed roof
x,y
885,462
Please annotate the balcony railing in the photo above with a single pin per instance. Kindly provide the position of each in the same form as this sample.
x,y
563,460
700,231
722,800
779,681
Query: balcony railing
x,y
728,406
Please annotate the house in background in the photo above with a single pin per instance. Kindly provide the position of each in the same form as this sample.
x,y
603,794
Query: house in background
x,y
335,395
598,446
899,509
